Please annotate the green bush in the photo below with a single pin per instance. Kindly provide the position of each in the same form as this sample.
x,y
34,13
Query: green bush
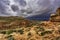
x,y
45,32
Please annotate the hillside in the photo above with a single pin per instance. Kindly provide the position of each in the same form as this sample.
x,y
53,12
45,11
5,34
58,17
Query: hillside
x,y
18,28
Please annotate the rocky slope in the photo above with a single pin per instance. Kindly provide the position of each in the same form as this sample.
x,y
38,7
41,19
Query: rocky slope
x,y
18,28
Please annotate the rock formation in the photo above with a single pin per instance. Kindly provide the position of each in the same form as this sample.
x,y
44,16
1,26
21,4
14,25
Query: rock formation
x,y
56,16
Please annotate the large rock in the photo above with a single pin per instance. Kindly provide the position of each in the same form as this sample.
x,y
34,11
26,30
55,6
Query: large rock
x,y
56,16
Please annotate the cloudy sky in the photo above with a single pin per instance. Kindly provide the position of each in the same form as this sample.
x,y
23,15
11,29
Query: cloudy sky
x,y
27,8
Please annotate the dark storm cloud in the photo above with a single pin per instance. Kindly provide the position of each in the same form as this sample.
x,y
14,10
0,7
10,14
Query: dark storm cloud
x,y
6,2
57,3
21,2
44,2
14,7
3,7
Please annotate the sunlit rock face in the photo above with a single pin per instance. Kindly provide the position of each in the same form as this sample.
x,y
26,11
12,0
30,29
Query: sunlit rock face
x,y
25,8
55,17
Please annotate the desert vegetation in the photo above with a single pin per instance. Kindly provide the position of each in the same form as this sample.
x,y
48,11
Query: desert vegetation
x,y
18,28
